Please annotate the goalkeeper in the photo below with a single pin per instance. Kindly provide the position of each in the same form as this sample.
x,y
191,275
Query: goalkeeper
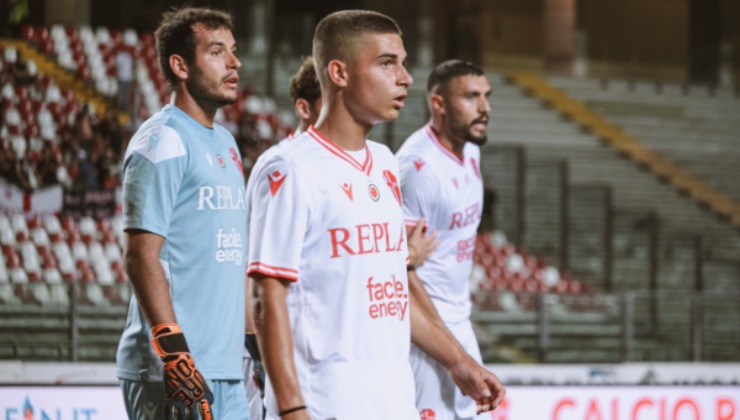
x,y
180,356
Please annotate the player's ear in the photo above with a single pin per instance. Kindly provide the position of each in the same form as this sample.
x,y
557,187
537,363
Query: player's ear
x,y
302,109
338,73
179,66
437,103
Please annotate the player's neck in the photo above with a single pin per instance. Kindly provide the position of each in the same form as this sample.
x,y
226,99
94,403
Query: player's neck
x,y
184,101
338,125
447,141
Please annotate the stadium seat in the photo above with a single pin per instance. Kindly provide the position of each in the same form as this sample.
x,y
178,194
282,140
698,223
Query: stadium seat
x,y
18,275
515,263
478,277
31,260
64,258
88,230
94,294
4,277
40,237
53,228
79,251
112,252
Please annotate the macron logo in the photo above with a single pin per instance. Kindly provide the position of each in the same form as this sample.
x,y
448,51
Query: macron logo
x,y
347,188
419,164
276,180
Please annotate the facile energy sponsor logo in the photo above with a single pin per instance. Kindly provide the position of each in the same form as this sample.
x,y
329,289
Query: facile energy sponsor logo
x,y
387,299
465,249
230,246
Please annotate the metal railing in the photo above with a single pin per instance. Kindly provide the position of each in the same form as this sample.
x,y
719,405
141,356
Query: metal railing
x,y
616,327
631,326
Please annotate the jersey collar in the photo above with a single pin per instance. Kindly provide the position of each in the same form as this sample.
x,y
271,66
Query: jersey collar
x,y
447,152
340,153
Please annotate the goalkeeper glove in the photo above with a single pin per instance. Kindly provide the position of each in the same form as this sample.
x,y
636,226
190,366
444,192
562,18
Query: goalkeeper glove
x,y
187,395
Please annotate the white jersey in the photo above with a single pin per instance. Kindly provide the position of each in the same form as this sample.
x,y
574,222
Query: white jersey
x,y
448,193
335,227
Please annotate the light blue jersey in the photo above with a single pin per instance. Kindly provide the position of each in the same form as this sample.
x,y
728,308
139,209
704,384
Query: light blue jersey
x,y
185,182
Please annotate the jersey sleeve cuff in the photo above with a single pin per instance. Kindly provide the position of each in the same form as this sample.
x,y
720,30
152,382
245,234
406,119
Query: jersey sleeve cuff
x,y
272,271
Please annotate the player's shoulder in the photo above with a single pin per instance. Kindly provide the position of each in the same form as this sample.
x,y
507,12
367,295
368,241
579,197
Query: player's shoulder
x,y
415,146
291,149
158,139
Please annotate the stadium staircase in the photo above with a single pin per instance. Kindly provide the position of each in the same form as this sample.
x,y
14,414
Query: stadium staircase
x,y
614,136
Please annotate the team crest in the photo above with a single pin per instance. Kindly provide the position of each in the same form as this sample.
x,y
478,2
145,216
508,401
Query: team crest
x,y
428,414
392,182
372,189
237,161
220,161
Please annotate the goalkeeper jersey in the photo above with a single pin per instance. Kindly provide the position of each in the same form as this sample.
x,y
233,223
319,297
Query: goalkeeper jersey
x,y
448,193
334,226
185,182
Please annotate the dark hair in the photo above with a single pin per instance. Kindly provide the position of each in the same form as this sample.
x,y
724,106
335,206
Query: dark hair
x,y
304,84
175,35
451,69
335,33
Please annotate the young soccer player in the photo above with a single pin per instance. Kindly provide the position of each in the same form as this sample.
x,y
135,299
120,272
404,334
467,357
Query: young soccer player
x,y
328,247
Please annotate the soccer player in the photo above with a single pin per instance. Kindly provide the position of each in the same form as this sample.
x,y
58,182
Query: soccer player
x,y
441,181
327,247
306,94
185,221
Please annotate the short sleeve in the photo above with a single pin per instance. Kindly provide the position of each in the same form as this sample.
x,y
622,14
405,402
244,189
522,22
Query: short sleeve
x,y
415,190
278,220
153,173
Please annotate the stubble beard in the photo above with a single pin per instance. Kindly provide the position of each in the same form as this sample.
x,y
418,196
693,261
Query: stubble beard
x,y
206,92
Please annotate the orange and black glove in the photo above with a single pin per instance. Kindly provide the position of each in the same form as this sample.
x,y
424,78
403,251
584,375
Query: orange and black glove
x,y
186,394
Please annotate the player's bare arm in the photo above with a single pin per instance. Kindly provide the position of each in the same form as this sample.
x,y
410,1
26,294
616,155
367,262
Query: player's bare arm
x,y
420,244
249,324
275,340
423,302
473,379
141,257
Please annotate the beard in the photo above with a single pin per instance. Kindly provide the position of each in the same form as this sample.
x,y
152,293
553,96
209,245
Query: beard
x,y
206,92
464,130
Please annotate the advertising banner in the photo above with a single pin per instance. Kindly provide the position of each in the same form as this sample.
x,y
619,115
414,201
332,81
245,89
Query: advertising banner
x,y
61,403
521,403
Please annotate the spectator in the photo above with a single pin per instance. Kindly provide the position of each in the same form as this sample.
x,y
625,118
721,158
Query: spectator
x,y
125,75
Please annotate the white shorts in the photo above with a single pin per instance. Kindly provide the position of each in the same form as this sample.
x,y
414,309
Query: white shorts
x,y
252,390
437,396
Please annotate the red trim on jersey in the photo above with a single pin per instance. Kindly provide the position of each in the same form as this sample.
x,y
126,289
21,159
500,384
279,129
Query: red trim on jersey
x,y
340,153
411,222
445,150
272,271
